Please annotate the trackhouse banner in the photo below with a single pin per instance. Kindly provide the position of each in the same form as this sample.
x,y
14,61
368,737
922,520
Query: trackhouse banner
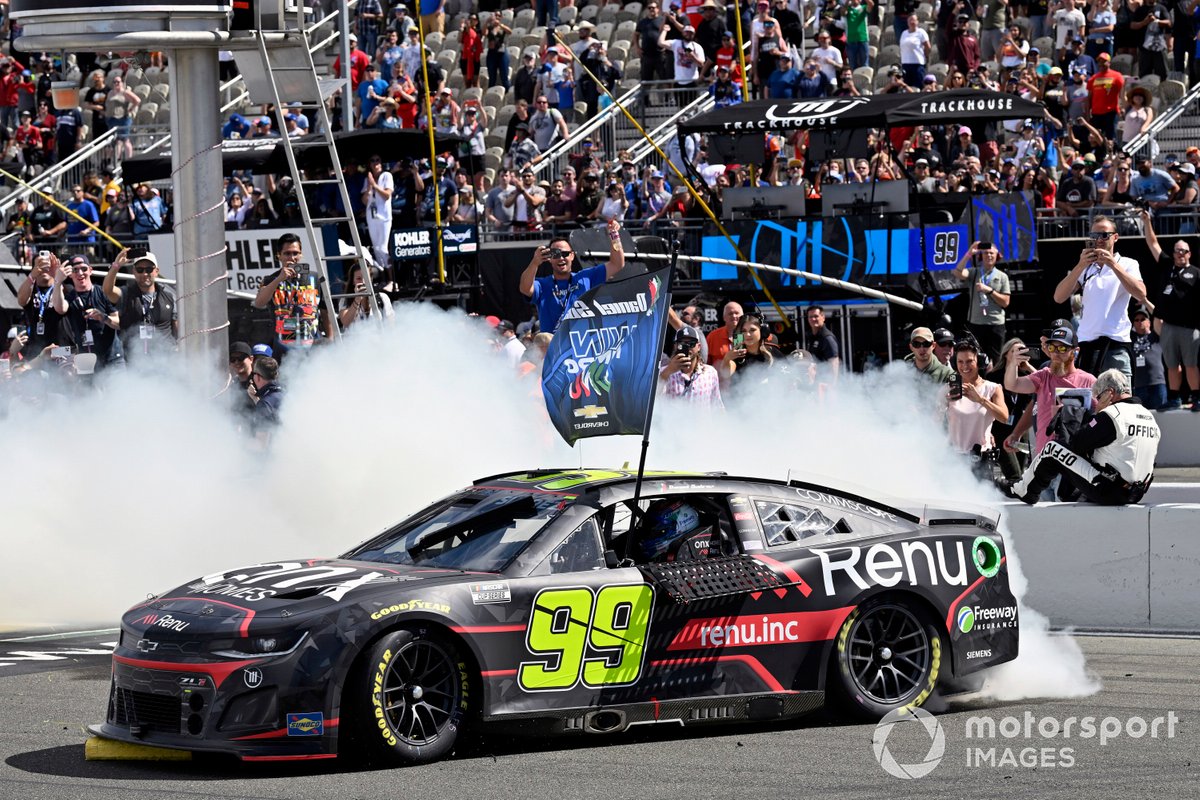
x,y
600,371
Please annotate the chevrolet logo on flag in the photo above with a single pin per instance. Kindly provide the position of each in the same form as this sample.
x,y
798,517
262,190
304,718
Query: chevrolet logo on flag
x,y
590,412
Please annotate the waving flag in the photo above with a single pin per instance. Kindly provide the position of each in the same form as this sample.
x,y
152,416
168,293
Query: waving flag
x,y
600,371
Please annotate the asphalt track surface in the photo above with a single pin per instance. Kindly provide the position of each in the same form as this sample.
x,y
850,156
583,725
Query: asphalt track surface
x,y
53,685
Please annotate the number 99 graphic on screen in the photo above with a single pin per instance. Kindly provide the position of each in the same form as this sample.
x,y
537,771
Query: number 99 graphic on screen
x,y
577,634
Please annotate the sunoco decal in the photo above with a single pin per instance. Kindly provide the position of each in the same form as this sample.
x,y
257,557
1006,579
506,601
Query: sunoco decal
x,y
306,723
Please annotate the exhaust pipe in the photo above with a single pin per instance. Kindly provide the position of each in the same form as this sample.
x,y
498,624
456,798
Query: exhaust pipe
x,y
605,721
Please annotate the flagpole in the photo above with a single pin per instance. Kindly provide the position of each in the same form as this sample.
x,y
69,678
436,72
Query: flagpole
x,y
662,332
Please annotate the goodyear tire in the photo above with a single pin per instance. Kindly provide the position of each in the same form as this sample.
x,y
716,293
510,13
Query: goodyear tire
x,y
411,698
887,656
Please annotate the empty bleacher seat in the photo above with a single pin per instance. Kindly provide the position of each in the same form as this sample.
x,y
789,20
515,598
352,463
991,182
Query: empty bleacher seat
x,y
631,11
1123,64
604,31
525,18
163,117
160,92
142,90
146,113
567,15
434,41
1171,90
589,12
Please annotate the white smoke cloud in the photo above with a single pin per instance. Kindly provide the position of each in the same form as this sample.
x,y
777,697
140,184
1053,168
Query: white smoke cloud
x,y
146,485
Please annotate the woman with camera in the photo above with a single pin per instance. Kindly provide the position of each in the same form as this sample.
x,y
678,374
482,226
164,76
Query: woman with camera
x,y
751,355
973,403
357,309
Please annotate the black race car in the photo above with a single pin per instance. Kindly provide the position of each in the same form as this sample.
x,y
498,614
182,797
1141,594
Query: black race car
x,y
549,600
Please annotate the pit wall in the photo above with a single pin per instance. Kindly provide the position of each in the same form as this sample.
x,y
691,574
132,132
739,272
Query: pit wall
x,y
1133,567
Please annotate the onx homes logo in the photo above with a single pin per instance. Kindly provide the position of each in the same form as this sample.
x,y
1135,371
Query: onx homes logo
x,y
910,743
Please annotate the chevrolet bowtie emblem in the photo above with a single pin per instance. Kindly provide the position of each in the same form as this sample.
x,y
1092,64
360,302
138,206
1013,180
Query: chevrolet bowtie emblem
x,y
591,411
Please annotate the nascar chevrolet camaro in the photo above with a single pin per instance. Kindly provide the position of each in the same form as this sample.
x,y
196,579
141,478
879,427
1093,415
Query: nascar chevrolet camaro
x,y
553,600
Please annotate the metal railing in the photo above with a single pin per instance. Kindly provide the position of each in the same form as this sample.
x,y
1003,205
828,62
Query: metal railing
x,y
1164,119
70,168
662,133
556,158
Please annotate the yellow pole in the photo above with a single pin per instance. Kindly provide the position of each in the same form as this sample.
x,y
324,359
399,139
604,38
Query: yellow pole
x,y
741,46
437,189
691,189
57,204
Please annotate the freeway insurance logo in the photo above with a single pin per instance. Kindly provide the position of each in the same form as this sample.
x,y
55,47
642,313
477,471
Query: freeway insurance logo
x,y
909,724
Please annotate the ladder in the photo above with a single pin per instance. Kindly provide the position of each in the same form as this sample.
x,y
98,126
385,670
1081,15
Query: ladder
x,y
291,63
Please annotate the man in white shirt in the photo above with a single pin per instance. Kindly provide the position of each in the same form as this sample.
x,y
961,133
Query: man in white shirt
x,y
1107,281
829,59
377,197
914,52
687,56
1069,23
545,122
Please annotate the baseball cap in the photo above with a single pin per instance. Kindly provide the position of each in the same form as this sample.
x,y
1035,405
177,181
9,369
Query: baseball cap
x,y
1063,335
931,79
264,121
656,174
353,37
1103,57
148,257
964,130
688,332
921,161
687,28
262,351
1139,309
943,336
1079,163
921,333
241,349
1191,150
1187,168
1056,71
505,325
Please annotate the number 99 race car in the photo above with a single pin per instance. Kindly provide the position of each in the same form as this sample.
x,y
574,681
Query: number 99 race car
x,y
550,600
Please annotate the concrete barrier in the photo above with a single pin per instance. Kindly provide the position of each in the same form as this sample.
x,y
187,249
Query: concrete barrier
x,y
1180,443
1126,568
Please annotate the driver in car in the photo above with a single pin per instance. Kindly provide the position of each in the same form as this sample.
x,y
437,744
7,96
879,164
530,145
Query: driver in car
x,y
675,532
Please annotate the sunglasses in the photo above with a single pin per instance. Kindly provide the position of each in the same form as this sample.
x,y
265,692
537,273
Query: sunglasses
x,y
921,345
1059,348
557,253
1182,252
1101,235
144,270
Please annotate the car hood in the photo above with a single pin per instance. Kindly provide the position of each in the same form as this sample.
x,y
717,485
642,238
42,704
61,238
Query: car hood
x,y
283,589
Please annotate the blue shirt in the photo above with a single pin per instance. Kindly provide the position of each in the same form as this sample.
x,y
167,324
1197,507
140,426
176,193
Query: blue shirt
x,y
368,105
783,84
76,230
816,86
237,124
553,297
1155,186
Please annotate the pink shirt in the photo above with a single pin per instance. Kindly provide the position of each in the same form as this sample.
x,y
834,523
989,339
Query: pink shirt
x,y
1046,383
703,388
969,423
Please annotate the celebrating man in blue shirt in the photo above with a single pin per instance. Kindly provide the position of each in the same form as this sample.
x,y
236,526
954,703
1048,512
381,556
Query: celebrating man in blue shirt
x,y
554,293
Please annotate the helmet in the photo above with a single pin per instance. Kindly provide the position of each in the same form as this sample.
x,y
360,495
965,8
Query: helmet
x,y
667,523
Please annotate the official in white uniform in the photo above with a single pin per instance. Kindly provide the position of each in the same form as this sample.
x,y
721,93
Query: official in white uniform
x,y
1110,461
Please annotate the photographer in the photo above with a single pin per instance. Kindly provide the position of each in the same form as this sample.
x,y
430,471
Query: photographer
x,y
553,294
148,314
686,376
1152,186
972,403
1109,461
1107,281
1059,373
293,293
39,297
989,295
91,320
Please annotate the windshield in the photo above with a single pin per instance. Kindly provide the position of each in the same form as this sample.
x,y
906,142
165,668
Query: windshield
x,y
478,529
